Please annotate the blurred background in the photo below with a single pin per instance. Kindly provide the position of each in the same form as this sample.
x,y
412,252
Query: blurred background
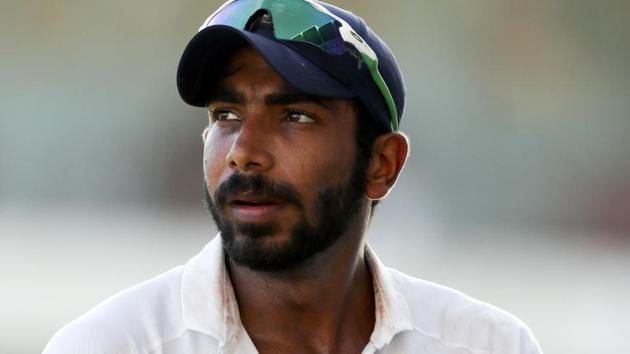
x,y
517,190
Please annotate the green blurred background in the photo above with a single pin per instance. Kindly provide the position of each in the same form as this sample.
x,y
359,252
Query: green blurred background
x,y
517,190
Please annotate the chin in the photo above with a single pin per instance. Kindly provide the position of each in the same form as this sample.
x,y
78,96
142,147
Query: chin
x,y
274,250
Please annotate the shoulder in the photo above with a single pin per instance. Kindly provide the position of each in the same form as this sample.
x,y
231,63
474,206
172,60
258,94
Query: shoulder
x,y
132,321
460,321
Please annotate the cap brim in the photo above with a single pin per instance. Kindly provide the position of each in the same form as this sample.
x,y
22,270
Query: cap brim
x,y
210,49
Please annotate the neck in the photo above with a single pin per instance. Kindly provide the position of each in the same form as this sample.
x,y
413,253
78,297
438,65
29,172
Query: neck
x,y
307,307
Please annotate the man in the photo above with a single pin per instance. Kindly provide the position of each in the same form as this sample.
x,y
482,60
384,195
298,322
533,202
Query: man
x,y
304,102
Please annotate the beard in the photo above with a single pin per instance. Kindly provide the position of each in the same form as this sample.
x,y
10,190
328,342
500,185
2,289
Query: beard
x,y
334,209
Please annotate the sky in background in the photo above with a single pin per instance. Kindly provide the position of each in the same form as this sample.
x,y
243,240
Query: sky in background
x,y
517,113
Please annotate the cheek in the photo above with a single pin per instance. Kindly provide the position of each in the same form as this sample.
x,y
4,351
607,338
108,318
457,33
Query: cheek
x,y
215,150
324,163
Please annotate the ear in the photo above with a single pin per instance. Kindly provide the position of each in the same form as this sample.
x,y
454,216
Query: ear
x,y
204,135
389,154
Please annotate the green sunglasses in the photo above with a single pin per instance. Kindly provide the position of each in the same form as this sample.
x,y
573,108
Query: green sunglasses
x,y
308,21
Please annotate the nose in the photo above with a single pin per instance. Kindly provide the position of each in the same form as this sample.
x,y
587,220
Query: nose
x,y
249,151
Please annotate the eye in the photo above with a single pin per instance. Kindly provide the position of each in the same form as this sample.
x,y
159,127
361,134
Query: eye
x,y
299,117
223,115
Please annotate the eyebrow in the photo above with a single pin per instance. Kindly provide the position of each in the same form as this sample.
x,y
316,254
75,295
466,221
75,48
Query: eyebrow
x,y
284,97
292,97
228,95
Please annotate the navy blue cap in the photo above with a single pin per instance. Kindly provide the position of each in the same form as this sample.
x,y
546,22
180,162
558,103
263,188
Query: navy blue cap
x,y
304,66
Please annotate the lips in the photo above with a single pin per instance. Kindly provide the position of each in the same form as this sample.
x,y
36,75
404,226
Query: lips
x,y
252,208
252,204
251,201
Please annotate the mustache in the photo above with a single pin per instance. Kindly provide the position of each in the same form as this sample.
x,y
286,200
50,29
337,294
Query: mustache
x,y
256,184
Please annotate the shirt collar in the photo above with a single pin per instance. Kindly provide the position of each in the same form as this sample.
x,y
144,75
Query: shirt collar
x,y
208,302
209,305
392,314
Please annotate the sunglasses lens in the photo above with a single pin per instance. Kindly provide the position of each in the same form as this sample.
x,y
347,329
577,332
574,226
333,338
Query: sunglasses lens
x,y
292,20
235,14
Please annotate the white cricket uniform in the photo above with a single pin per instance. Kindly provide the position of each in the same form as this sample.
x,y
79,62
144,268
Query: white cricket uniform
x,y
192,309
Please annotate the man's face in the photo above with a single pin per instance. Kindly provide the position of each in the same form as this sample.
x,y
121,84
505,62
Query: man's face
x,y
280,167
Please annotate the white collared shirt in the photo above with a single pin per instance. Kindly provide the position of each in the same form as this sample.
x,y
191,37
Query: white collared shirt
x,y
192,309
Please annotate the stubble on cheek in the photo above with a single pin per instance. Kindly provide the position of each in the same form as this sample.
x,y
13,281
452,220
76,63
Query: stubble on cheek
x,y
215,150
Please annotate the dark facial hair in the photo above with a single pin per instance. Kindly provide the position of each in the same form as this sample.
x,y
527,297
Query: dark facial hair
x,y
334,209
